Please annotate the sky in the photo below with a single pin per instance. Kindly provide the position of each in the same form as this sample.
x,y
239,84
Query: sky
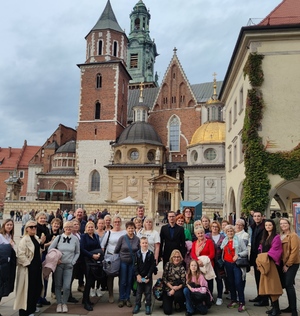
x,y
43,41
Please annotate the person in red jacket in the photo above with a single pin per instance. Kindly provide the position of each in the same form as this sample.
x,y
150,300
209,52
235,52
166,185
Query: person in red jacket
x,y
203,247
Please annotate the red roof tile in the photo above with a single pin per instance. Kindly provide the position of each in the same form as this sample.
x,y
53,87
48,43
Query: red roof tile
x,y
287,12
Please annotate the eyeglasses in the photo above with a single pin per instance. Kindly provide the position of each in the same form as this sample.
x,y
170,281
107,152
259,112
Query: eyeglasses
x,y
214,227
176,257
117,222
32,227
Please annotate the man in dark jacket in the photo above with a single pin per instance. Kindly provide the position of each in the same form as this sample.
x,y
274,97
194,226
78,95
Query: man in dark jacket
x,y
171,237
257,231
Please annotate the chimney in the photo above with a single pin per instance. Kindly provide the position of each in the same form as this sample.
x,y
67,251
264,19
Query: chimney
x,y
9,152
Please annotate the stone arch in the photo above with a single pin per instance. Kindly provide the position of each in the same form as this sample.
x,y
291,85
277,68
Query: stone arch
x,y
231,205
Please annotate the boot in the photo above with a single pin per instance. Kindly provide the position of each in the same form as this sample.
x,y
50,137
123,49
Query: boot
x,y
276,309
270,311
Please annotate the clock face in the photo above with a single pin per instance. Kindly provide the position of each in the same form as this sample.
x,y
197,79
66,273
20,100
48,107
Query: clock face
x,y
134,155
210,154
150,156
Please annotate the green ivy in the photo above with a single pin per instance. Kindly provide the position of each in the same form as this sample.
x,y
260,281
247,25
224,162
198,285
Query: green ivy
x,y
259,162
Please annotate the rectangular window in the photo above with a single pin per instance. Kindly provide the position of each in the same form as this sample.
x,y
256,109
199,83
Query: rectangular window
x,y
229,120
21,174
115,49
134,61
241,100
100,43
234,156
234,111
229,159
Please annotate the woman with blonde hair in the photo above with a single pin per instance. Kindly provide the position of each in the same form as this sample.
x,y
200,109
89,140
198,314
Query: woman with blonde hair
x,y
152,235
29,282
174,280
205,220
108,245
290,263
68,245
234,248
90,249
107,222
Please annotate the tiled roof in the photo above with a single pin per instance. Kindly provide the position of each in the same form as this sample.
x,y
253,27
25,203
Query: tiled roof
x,y
9,158
62,172
202,92
29,152
287,12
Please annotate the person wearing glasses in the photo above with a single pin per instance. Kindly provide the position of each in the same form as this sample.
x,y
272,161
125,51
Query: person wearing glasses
x,y
174,279
29,282
240,231
108,245
217,239
68,245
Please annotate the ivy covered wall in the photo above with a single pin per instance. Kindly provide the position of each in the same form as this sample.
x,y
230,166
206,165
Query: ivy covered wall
x,y
259,163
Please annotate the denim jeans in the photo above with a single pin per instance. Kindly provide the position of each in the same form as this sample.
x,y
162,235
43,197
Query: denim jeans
x,y
125,280
63,277
188,301
235,281
289,278
145,288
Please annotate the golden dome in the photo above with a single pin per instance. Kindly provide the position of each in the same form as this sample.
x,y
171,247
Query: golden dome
x,y
209,132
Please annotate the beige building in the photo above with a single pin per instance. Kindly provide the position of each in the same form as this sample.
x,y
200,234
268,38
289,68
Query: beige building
x,y
275,44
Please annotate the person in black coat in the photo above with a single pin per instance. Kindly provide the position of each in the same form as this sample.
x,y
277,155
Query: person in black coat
x,y
171,237
144,266
257,231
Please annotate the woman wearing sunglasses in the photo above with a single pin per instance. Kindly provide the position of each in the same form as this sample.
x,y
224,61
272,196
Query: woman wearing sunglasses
x,y
29,274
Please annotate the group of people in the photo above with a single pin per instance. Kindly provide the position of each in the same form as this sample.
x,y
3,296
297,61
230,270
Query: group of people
x,y
194,253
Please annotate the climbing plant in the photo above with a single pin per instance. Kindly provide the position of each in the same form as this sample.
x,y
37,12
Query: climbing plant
x,y
259,162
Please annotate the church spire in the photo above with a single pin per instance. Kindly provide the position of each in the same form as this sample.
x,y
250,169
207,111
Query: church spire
x,y
107,20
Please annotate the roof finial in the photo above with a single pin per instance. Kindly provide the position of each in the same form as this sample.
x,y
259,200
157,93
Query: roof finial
x,y
141,98
215,84
175,50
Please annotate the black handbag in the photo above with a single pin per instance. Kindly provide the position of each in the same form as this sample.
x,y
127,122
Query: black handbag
x,y
242,262
95,267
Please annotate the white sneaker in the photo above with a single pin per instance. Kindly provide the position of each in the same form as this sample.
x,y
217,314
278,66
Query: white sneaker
x,y
37,310
64,308
59,308
92,293
219,301
98,292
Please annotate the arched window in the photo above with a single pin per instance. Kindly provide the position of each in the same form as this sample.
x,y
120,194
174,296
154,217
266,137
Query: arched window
x,y
115,52
174,133
95,181
97,110
100,43
98,81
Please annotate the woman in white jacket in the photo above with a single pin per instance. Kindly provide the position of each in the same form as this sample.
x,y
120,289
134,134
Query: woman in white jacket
x,y
29,283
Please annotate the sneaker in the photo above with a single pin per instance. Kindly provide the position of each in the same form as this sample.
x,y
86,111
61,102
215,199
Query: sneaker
x,y
45,302
64,308
98,292
219,301
37,310
232,305
128,303
121,304
242,307
92,292
148,310
136,309
59,308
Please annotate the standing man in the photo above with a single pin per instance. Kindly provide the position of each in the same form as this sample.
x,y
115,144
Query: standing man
x,y
257,231
171,237
140,213
79,217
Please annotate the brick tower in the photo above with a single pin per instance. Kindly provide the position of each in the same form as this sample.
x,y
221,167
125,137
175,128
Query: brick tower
x,y
103,105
